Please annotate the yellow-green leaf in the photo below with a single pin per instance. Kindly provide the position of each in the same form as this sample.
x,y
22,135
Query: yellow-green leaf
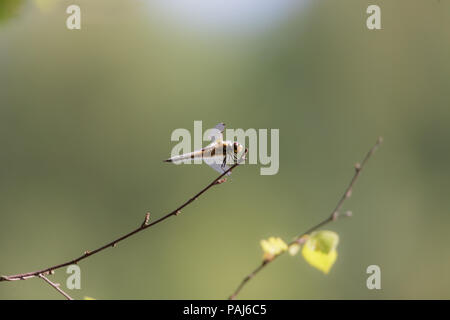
x,y
320,250
273,247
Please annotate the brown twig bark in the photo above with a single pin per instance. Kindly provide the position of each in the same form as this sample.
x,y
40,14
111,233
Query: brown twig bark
x,y
145,225
56,286
335,214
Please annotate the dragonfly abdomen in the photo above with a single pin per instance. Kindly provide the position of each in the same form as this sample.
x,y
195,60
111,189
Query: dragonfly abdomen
x,y
190,155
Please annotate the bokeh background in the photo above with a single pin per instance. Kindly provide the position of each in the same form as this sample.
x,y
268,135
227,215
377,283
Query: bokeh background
x,y
86,118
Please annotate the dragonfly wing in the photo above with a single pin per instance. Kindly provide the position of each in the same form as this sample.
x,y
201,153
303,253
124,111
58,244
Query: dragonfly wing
x,y
220,126
216,134
217,164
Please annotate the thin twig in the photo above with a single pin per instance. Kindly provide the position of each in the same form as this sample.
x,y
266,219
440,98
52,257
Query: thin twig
x,y
333,217
143,226
56,286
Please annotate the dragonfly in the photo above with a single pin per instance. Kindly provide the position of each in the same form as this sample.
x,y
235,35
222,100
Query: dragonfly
x,y
218,154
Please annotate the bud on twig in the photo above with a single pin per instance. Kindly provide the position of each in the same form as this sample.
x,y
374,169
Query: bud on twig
x,y
146,220
220,181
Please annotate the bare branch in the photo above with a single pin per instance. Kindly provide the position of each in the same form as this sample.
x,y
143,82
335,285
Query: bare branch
x,y
143,226
56,286
335,215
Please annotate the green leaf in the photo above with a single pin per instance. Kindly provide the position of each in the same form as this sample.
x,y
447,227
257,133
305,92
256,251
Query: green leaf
x,y
320,250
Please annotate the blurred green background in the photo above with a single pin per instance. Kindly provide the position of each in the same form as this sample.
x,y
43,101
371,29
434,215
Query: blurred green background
x,y
86,118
